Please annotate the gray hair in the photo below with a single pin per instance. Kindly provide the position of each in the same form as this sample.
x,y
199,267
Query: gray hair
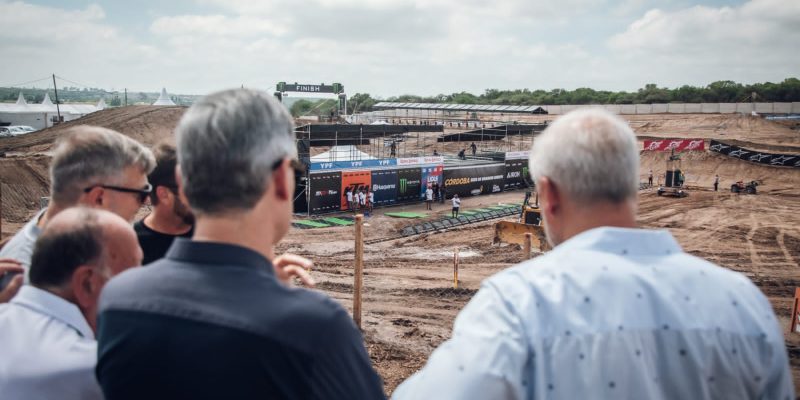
x,y
228,143
87,155
591,154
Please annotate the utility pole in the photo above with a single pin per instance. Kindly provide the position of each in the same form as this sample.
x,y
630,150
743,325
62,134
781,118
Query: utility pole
x,y
58,108
126,97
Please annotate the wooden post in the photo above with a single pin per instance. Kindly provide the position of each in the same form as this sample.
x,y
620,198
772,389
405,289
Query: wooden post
x,y
526,248
795,311
359,270
455,268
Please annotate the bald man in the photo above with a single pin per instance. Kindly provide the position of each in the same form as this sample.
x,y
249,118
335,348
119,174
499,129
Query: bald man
x,y
47,331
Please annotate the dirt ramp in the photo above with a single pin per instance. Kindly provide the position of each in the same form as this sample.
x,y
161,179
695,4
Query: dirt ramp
x,y
147,124
701,167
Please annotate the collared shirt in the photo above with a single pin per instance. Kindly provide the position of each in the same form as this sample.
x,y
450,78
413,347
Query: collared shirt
x,y
47,349
211,321
611,313
20,247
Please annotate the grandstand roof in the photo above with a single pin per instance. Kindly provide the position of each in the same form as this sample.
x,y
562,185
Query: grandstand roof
x,y
462,107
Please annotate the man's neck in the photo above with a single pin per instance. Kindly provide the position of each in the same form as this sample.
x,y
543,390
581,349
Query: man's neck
x,y
166,222
240,229
622,215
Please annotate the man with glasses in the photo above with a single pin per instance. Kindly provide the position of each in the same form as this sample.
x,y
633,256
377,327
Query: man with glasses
x,y
92,167
47,331
171,217
216,317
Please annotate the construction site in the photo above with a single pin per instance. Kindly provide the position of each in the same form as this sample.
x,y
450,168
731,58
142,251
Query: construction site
x,y
411,295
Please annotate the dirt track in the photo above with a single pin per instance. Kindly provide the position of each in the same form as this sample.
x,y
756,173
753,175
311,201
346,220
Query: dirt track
x,y
410,304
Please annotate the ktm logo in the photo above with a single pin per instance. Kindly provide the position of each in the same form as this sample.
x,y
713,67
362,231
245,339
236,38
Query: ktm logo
x,y
357,187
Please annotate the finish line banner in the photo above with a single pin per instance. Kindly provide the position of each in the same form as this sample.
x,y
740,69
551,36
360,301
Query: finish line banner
x,y
777,160
675,144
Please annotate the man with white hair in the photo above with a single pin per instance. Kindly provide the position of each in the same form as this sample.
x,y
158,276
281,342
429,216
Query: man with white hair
x,y
612,311
92,167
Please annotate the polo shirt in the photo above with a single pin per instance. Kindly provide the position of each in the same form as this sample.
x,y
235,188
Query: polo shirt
x,y
211,321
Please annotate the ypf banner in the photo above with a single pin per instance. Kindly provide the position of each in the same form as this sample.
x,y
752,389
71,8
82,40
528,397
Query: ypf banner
x,y
675,144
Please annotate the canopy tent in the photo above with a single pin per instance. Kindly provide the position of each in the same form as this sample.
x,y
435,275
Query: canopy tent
x,y
342,153
164,99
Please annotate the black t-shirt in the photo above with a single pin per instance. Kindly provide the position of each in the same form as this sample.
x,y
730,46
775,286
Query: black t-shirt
x,y
155,244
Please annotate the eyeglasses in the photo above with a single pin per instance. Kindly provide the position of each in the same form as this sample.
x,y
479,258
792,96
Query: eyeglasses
x,y
141,193
295,164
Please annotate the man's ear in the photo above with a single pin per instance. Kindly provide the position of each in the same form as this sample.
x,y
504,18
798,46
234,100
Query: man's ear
x,y
280,178
94,198
162,193
83,286
549,196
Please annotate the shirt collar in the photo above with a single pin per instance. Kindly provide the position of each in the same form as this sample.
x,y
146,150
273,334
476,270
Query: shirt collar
x,y
624,241
46,303
196,252
33,231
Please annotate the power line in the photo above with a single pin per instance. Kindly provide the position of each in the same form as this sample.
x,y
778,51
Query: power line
x,y
29,82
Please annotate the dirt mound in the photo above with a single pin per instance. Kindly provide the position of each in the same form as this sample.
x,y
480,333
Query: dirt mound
x,y
724,127
147,124
701,167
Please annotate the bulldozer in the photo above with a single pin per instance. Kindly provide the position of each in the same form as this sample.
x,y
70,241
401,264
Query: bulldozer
x,y
529,221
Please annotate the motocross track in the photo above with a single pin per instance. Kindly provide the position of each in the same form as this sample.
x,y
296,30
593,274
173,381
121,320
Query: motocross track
x,y
409,300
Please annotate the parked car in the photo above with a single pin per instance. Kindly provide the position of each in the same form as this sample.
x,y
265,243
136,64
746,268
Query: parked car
x,y
17,130
4,131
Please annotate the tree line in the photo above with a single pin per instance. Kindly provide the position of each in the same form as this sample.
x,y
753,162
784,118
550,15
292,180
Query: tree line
x,y
715,92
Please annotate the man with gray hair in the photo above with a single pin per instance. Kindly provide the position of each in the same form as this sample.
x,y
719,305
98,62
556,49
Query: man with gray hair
x,y
47,345
215,318
93,167
612,311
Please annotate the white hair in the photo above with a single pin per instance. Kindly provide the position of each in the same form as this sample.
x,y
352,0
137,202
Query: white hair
x,y
589,154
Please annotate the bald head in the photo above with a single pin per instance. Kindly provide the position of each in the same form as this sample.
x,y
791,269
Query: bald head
x,y
78,237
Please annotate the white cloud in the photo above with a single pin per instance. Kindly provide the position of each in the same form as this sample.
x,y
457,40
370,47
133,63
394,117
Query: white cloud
x,y
408,46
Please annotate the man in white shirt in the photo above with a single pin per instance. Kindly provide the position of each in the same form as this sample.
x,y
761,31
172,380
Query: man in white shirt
x,y
349,196
612,311
47,344
92,167
429,198
456,205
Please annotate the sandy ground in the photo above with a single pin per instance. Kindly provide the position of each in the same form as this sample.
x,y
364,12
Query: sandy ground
x,y
409,300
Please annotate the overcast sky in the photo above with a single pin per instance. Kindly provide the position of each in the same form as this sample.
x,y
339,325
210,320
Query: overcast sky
x,y
392,47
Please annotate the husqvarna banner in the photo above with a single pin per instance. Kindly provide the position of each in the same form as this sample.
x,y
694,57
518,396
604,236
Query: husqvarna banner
x,y
778,160
384,186
675,144
473,181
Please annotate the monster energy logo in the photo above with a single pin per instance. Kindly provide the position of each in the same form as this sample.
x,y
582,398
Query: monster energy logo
x,y
403,185
524,171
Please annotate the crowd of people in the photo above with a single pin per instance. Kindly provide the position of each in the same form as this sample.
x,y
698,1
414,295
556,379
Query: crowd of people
x,y
613,311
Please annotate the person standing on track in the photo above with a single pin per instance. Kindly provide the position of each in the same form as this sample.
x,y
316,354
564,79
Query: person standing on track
x,y
456,205
716,182
429,198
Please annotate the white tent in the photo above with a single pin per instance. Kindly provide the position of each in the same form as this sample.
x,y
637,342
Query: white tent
x,y
46,101
42,115
164,99
101,105
21,100
342,153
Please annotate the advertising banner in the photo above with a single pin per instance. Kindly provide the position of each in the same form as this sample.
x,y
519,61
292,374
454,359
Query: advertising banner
x,y
777,160
430,174
675,144
359,164
420,160
354,181
517,155
473,181
325,191
409,182
517,174
384,186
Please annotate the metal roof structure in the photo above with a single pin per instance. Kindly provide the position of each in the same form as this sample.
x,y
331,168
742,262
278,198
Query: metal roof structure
x,y
461,107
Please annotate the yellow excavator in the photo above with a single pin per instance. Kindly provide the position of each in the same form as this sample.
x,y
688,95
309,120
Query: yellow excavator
x,y
530,221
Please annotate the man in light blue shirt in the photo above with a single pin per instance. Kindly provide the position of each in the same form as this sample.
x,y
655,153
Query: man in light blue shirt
x,y
613,311
47,344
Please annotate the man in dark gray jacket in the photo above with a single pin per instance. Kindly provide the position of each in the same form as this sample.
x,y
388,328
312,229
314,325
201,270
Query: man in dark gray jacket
x,y
217,318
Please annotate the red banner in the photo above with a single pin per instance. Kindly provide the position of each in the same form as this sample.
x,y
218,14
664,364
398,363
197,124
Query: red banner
x,y
676,144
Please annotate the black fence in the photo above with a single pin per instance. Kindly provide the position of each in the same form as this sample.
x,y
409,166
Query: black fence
x,y
760,157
